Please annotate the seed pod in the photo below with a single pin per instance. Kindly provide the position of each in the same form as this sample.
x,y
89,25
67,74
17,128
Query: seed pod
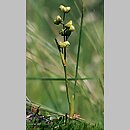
x,y
64,44
68,24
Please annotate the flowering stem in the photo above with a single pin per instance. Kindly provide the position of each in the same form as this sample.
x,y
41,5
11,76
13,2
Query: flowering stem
x,y
63,28
62,46
66,83
65,71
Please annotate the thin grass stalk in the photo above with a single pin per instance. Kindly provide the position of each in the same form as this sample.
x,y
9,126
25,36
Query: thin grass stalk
x,y
43,108
101,85
79,45
48,92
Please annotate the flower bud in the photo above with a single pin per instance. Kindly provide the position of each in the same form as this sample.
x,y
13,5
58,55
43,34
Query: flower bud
x,y
72,28
67,9
58,20
64,9
64,44
68,24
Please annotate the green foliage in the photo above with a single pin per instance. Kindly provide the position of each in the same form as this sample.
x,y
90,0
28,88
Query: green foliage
x,y
72,125
59,124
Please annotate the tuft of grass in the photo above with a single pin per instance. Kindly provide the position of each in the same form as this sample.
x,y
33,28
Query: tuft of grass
x,y
50,120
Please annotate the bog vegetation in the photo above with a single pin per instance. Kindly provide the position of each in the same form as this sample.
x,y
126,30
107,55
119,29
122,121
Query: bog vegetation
x,y
65,59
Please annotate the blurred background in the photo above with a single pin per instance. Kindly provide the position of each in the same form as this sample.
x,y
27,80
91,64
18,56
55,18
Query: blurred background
x,y
43,60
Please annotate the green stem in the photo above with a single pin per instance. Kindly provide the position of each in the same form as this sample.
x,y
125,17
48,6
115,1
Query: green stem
x,y
63,28
65,71
66,84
